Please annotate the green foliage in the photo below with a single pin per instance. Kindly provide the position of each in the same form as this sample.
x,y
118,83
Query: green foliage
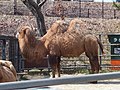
x,y
24,78
117,6
84,71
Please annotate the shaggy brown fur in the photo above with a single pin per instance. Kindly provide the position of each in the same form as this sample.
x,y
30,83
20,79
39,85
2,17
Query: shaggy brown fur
x,y
58,41
61,27
32,49
7,71
71,43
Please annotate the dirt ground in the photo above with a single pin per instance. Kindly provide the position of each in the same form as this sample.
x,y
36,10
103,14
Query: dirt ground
x,y
102,85
113,84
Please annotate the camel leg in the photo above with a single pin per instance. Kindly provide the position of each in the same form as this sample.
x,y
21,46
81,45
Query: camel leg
x,y
58,66
55,64
91,51
53,71
96,64
96,67
52,61
92,65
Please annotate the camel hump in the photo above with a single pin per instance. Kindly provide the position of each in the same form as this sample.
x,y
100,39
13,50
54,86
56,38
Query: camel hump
x,y
74,23
61,22
7,71
9,65
62,25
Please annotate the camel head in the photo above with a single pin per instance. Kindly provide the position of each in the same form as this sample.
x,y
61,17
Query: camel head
x,y
26,35
23,31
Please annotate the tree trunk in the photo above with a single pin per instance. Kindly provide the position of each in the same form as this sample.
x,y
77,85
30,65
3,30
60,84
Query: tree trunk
x,y
35,8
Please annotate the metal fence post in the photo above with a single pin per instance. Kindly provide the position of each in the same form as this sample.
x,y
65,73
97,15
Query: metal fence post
x,y
88,12
100,52
3,49
114,13
79,8
102,8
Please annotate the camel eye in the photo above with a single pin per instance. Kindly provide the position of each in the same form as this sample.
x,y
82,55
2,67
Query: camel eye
x,y
19,32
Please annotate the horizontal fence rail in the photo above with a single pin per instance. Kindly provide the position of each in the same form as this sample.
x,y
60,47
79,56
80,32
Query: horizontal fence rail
x,y
58,81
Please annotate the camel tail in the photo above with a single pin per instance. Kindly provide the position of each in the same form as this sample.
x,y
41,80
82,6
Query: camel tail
x,y
101,45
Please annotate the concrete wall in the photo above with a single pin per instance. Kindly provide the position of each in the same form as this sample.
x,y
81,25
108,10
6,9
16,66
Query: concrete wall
x,y
9,24
71,9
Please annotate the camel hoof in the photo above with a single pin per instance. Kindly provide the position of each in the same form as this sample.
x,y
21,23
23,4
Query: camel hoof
x,y
94,82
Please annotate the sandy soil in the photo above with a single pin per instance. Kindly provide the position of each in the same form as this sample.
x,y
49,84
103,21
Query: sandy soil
x,y
102,85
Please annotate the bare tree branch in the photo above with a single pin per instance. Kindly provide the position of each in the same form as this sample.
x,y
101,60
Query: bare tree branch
x,y
33,3
36,11
29,6
41,4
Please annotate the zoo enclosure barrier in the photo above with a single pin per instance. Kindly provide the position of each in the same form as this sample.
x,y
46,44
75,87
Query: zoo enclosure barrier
x,y
111,43
9,49
58,81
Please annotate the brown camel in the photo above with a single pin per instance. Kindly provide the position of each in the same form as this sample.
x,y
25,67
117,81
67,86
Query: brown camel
x,y
32,49
57,42
71,43
7,71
